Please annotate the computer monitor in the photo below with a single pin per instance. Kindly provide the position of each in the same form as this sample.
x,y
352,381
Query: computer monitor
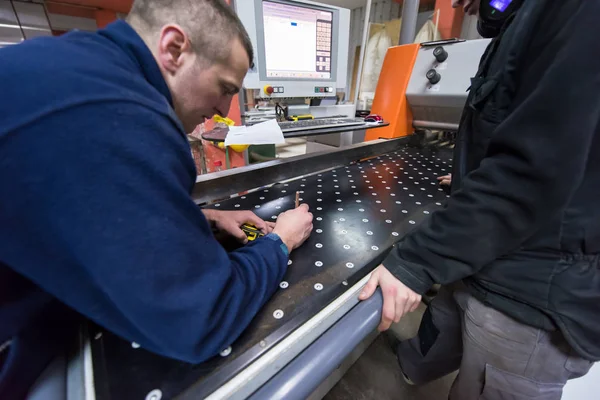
x,y
301,47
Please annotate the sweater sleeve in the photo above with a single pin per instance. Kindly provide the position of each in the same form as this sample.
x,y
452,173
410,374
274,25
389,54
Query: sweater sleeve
x,y
101,218
535,160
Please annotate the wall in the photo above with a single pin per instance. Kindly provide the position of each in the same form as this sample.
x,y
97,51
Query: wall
x,y
381,11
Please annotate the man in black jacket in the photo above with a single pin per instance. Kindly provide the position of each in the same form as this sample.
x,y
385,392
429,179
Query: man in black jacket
x,y
518,244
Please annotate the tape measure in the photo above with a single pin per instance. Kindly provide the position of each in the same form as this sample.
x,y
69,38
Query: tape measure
x,y
252,232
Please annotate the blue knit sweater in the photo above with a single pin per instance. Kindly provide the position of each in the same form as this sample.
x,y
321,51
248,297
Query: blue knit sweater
x,y
96,215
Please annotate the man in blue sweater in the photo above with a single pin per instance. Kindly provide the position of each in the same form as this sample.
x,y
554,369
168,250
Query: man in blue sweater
x,y
95,207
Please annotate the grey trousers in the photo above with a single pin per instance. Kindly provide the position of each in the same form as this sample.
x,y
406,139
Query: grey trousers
x,y
497,357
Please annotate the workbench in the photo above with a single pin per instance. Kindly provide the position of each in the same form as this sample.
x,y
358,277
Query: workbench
x,y
361,208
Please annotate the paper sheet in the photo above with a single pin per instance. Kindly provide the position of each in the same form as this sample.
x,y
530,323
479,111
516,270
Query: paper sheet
x,y
267,132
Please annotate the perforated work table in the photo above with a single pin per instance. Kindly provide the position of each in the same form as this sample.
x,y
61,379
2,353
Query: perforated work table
x,y
360,211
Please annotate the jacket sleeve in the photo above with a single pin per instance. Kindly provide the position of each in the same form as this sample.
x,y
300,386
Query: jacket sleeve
x,y
536,159
102,219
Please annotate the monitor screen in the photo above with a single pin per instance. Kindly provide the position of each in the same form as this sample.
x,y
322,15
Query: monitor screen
x,y
298,41
500,5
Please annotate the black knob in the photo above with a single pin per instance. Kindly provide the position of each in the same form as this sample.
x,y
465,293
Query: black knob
x,y
433,76
440,54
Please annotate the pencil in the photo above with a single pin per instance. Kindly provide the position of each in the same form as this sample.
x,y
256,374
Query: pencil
x,y
297,199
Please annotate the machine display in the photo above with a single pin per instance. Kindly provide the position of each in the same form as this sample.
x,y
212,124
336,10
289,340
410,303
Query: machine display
x,y
301,47
297,41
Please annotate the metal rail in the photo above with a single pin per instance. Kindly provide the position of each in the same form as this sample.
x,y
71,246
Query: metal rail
x,y
219,185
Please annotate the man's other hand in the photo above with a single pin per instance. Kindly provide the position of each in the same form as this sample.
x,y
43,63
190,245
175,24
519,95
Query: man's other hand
x,y
397,298
445,180
471,7
294,226
231,221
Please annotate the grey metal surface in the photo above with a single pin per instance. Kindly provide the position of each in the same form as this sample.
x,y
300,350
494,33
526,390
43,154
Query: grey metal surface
x,y
410,13
443,102
436,125
303,375
221,185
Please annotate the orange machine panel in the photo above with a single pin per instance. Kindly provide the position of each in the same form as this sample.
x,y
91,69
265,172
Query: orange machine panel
x,y
390,95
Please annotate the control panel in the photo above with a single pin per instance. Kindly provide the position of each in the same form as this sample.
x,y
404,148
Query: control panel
x,y
440,80
273,91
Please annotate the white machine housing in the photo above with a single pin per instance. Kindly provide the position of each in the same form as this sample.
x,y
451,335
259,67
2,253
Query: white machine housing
x,y
440,105
250,13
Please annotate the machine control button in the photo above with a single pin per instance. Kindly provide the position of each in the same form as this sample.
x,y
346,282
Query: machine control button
x,y
433,76
269,90
440,54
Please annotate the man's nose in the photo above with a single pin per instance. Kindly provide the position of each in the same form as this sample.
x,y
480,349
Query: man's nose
x,y
225,106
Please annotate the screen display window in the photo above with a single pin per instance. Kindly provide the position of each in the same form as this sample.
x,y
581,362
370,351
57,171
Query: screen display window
x,y
500,5
298,41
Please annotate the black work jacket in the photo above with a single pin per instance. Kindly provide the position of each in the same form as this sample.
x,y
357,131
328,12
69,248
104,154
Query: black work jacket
x,y
522,226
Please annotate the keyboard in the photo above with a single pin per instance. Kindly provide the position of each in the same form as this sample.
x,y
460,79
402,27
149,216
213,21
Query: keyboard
x,y
321,123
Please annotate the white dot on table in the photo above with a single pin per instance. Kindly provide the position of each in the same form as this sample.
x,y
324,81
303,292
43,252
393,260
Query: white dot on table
x,y
225,352
361,209
284,191
358,201
342,219
349,265
418,203
135,345
319,231
318,286
369,233
284,285
340,209
378,201
404,212
412,222
425,212
217,205
319,208
438,204
290,262
257,206
319,219
278,314
347,247
388,221
365,220
382,210
318,245
319,199
395,234
375,248
398,202
274,217
319,263
237,206
261,198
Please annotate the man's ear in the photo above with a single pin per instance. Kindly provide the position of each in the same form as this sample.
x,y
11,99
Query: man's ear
x,y
172,44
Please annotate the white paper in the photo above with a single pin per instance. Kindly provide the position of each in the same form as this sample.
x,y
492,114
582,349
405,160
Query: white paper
x,y
267,132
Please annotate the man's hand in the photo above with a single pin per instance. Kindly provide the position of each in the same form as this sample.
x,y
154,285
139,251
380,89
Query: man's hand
x,y
294,226
397,298
445,180
231,221
471,7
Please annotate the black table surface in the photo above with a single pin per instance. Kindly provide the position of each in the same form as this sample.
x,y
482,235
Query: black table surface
x,y
219,134
360,211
